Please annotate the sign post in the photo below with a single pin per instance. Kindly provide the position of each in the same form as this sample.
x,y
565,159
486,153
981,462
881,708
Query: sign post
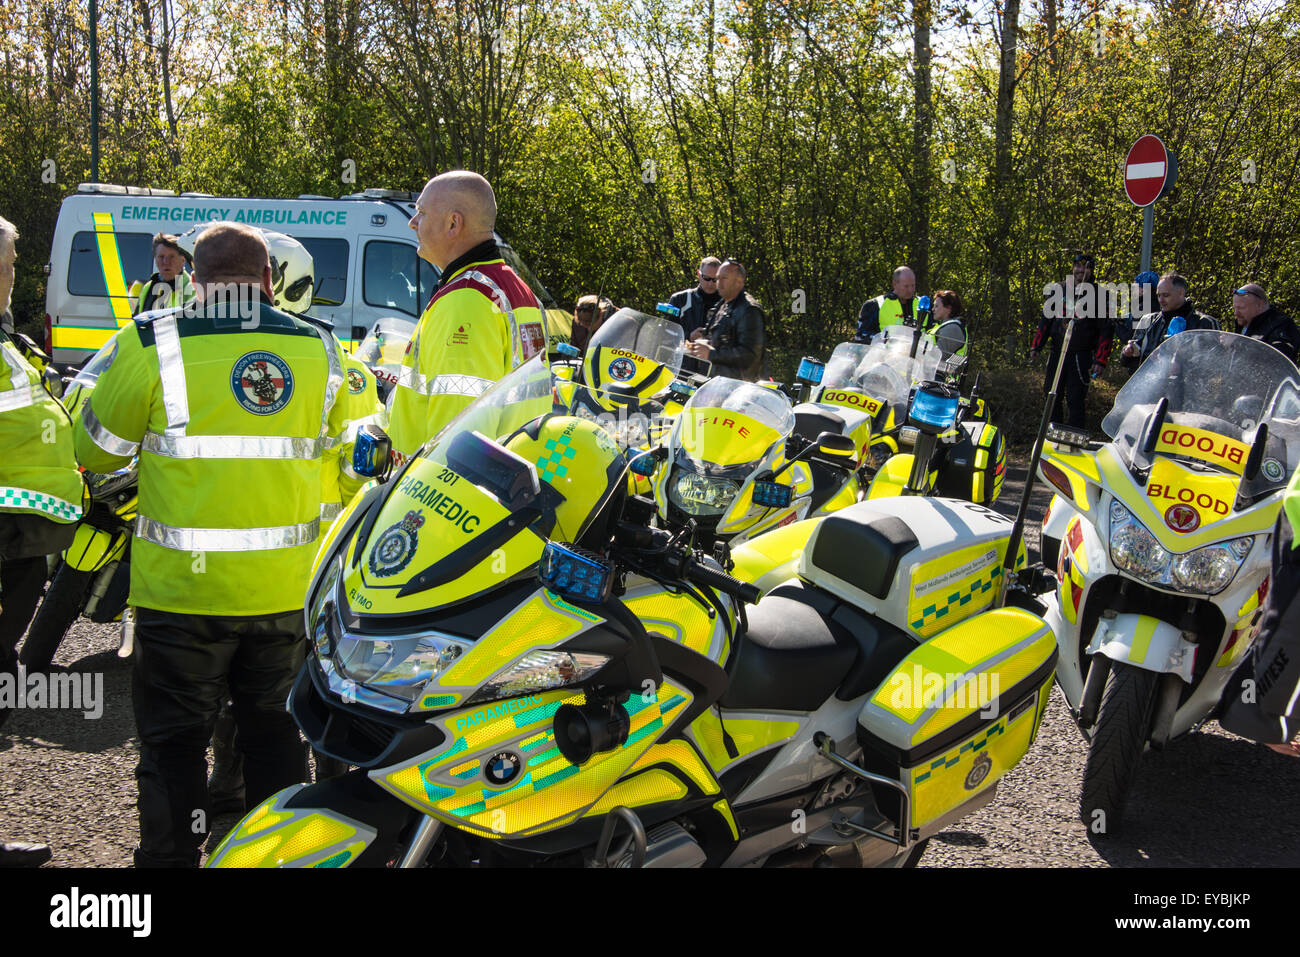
x,y
1149,173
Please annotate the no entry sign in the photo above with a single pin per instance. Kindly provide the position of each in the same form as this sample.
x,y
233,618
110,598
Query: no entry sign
x,y
1146,170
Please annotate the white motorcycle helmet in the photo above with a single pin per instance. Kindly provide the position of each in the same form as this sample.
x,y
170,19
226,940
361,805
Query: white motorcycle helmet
x,y
293,273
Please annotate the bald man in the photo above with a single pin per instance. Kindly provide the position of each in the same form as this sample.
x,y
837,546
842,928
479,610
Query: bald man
x,y
890,309
482,321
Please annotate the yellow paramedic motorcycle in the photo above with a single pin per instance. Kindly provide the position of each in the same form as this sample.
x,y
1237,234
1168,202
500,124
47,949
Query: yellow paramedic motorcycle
x,y
732,467
1165,536
876,382
94,574
521,676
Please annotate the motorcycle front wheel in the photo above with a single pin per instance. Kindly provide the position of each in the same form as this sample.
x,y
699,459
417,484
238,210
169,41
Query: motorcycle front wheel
x,y
1118,740
63,603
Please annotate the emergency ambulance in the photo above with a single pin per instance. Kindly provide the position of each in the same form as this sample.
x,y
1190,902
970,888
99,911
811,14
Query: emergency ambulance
x,y
362,246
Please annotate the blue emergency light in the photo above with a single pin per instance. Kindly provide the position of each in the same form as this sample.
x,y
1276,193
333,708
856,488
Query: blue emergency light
x,y
810,370
574,573
643,464
668,309
568,349
772,494
933,407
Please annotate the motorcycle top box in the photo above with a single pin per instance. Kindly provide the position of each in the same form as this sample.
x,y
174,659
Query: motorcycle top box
x,y
922,563
964,705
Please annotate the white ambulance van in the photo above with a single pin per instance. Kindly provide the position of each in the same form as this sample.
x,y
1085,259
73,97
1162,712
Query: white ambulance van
x,y
362,246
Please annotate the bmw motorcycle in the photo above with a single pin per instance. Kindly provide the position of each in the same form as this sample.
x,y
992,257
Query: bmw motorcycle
x,y
523,672
1161,540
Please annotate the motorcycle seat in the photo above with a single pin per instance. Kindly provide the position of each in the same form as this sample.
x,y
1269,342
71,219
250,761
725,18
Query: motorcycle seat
x,y
804,645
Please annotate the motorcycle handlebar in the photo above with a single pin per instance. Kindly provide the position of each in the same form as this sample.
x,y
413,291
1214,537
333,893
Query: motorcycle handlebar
x,y
703,575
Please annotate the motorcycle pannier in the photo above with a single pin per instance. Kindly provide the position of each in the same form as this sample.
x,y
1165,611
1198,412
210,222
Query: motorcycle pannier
x,y
958,712
974,467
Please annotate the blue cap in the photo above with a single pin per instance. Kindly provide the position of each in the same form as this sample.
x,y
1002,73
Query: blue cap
x,y
1147,278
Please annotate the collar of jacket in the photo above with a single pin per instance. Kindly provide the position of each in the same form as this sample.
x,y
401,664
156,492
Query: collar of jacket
x,y
485,252
1186,310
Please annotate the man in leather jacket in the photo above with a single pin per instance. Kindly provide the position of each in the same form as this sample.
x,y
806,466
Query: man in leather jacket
x,y
1153,328
1090,343
733,339
1260,319
697,303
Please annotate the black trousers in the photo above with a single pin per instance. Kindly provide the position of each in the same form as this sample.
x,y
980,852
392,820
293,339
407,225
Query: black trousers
x,y
1070,397
183,665
21,585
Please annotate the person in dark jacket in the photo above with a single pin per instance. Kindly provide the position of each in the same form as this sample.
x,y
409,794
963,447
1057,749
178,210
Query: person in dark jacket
x,y
1262,701
1260,319
1154,328
697,303
732,341
1080,297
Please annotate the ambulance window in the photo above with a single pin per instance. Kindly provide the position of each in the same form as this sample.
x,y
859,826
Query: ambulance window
x,y
86,275
394,277
330,263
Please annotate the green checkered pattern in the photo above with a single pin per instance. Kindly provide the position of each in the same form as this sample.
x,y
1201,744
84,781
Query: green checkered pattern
x,y
974,746
554,464
39,502
956,599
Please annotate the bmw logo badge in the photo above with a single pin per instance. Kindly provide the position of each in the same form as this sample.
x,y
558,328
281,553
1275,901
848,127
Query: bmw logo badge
x,y
502,768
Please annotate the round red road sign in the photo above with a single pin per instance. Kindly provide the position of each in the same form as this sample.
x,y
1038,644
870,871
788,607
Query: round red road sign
x,y
1145,170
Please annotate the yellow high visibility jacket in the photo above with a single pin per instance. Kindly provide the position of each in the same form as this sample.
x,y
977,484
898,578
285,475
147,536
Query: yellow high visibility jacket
x,y
361,406
182,291
482,322
38,472
234,417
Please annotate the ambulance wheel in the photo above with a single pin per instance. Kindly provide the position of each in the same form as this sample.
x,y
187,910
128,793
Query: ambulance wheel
x,y
63,603
1118,740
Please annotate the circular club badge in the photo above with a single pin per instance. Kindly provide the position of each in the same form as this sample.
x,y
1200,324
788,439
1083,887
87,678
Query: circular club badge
x,y
397,545
1273,470
502,768
622,369
262,382
1182,518
356,381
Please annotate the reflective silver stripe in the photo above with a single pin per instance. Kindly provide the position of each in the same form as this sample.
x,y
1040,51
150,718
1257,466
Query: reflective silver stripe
x,y
504,303
226,539
20,395
330,511
335,377
353,427
16,399
171,371
448,384
106,440
231,446
345,466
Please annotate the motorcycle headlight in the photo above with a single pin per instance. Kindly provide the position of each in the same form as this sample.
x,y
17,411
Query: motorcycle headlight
x,y
1208,570
1133,548
1203,571
540,671
400,667
697,494
322,613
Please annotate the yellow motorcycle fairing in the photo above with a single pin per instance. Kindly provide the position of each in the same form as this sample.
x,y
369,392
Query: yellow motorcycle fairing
x,y
451,783
93,548
725,438
619,377
430,514
892,478
772,558
273,835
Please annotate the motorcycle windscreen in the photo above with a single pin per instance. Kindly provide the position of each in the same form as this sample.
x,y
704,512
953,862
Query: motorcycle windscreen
x,y
444,531
1218,388
730,423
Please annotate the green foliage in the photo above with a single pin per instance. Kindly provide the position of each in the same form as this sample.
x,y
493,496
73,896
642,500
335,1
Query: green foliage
x,y
628,138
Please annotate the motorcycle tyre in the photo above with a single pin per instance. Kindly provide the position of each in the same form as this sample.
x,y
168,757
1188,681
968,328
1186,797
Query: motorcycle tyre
x,y
1118,740
63,603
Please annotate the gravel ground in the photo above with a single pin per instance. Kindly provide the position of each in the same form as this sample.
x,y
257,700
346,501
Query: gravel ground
x,y
1211,800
